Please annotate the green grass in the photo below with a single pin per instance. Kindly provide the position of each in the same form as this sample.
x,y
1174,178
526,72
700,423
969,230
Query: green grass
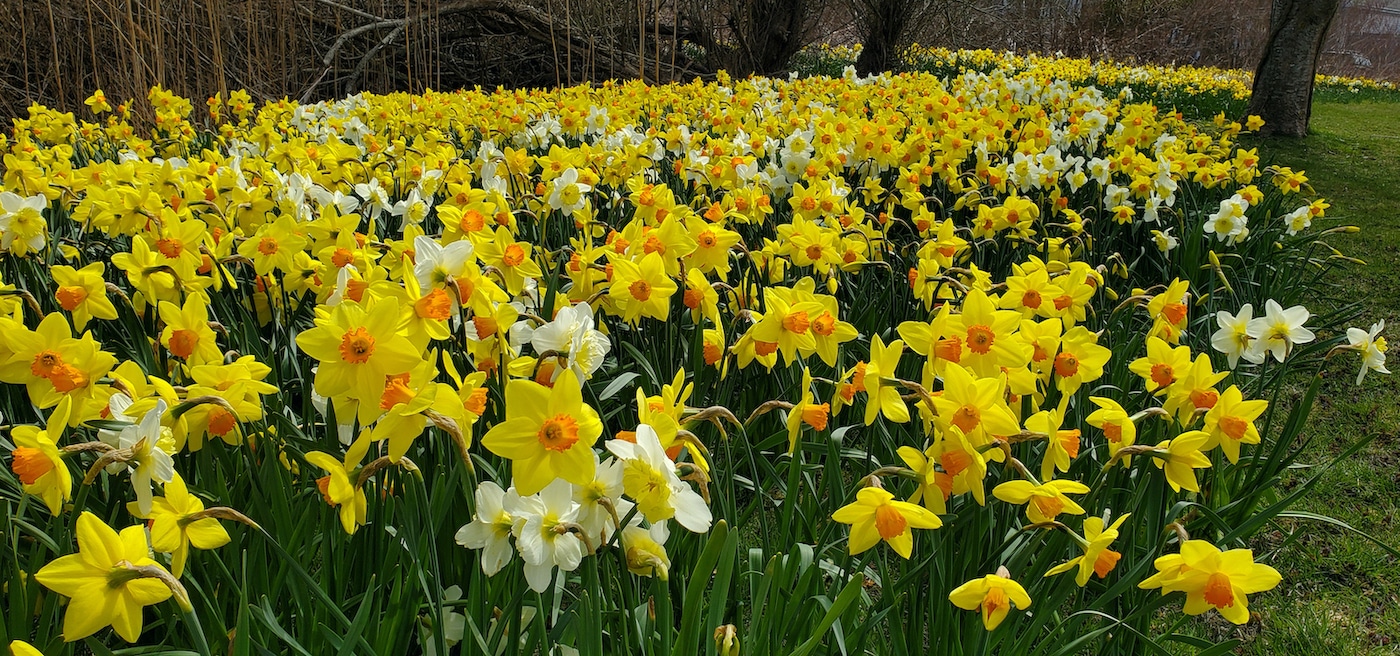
x,y
1341,593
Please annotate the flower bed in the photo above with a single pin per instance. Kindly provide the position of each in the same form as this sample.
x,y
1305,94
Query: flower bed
x,y
631,369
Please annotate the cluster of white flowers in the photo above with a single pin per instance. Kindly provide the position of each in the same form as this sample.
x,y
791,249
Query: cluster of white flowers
x,y
21,220
564,522
1229,223
1253,338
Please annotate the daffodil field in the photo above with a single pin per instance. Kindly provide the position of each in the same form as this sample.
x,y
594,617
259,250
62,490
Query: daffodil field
x,y
988,362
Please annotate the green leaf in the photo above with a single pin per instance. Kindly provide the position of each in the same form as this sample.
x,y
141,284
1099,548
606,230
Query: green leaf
x,y
694,593
848,595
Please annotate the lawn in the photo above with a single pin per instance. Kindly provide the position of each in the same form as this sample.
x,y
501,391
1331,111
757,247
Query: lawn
x,y
1341,593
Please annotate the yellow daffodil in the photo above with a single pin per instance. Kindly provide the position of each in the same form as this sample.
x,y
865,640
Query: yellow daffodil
x,y
883,397
994,595
1045,501
83,293
1117,426
38,463
177,524
641,289
1213,579
1162,365
187,334
358,348
340,486
102,581
1180,456
1230,422
1098,558
977,407
875,515
806,411
547,433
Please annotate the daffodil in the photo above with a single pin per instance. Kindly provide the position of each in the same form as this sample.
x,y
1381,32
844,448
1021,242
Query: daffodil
x,y
1062,446
1279,330
1044,501
543,536
187,334
641,289
1081,360
273,246
83,293
510,257
103,582
148,445
806,411
490,529
646,550
1195,390
988,336
977,407
1372,347
1169,311
994,595
1162,365
700,296
358,348
1213,579
97,102
932,486
38,463
547,433
1230,422
1115,422
1098,558
1233,338
177,524
23,229
875,515
786,324
572,335
1180,457
649,478
883,397
340,487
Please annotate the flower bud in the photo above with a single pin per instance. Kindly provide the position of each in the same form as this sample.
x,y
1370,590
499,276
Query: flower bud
x,y
727,640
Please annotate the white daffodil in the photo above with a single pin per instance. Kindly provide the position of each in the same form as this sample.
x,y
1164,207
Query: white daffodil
x,y
22,225
646,550
414,208
375,198
649,477
596,496
1372,347
1229,222
150,446
572,334
454,627
1279,330
342,285
436,265
1233,337
325,198
567,193
1299,219
1164,240
491,529
544,539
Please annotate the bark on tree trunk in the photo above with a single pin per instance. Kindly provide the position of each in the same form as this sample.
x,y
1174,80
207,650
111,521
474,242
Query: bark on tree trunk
x,y
882,24
1283,81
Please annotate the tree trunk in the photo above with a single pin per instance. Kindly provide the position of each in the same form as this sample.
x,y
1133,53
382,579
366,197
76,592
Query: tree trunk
x,y
1283,81
882,23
